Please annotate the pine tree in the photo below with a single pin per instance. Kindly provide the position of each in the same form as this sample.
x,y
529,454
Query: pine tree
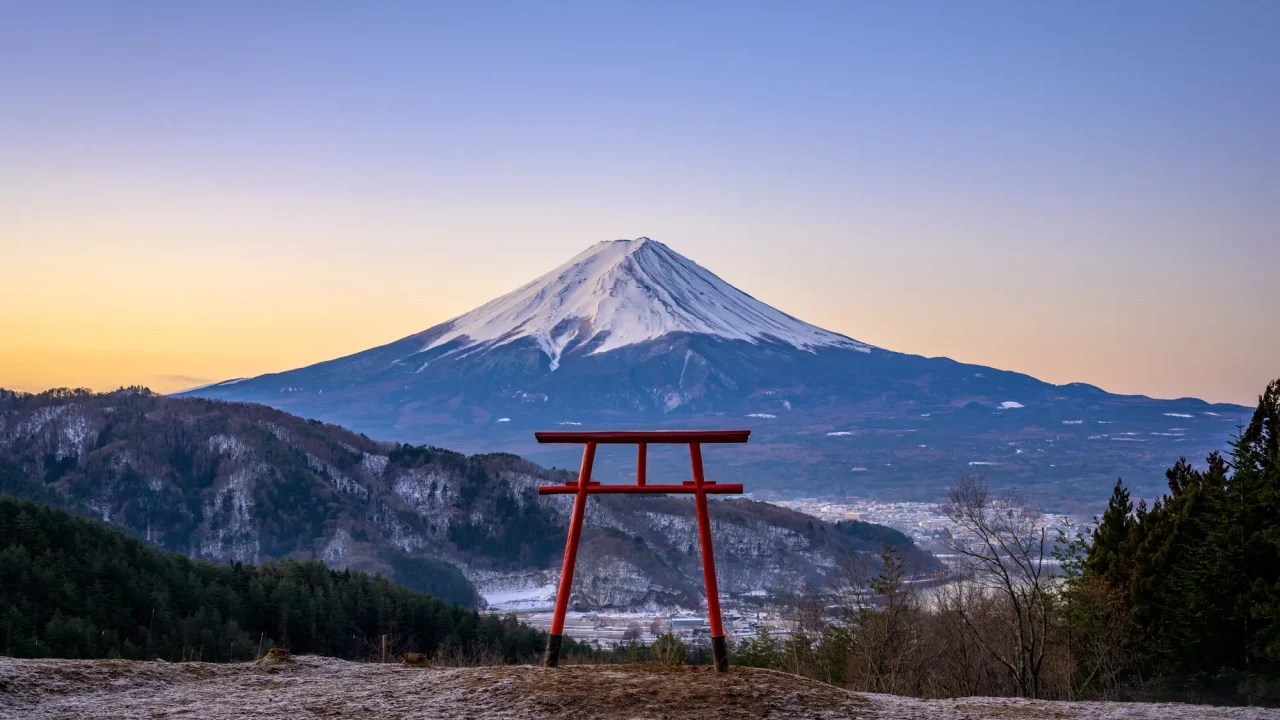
x,y
1110,535
1204,613
1255,458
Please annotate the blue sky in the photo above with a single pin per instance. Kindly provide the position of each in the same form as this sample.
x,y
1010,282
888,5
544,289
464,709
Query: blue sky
x,y
1080,191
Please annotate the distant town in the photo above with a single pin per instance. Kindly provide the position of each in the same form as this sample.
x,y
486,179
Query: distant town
x,y
744,617
922,522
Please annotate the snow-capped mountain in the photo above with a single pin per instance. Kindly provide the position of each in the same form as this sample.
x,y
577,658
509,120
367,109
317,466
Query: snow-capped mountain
x,y
625,292
631,334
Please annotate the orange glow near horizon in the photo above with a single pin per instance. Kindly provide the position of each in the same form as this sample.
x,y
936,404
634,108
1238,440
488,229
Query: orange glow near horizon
x,y
103,311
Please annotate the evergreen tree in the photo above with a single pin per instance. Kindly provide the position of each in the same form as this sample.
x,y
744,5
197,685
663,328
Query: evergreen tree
x,y
1255,459
1111,533
1204,618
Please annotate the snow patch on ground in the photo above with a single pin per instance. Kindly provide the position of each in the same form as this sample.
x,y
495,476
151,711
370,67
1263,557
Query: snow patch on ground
x,y
38,418
230,533
335,552
339,480
517,591
426,491
1011,405
375,465
672,400
75,435
281,433
228,445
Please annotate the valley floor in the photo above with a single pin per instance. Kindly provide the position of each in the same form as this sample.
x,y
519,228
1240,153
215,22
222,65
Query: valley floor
x,y
314,687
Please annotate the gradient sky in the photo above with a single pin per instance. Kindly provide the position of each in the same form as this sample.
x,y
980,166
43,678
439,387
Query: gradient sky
x,y
1079,191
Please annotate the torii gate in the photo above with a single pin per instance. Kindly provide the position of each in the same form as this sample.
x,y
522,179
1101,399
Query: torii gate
x,y
699,487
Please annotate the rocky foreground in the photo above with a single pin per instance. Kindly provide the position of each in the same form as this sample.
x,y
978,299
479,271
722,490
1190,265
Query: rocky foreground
x,y
314,687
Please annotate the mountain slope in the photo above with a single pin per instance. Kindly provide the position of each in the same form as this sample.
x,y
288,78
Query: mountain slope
x,y
236,482
631,334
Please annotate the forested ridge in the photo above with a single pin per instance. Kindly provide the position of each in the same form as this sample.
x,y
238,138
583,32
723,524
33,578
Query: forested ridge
x,y
73,587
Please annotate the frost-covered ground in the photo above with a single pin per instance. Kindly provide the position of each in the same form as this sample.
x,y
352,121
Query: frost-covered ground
x,y
313,687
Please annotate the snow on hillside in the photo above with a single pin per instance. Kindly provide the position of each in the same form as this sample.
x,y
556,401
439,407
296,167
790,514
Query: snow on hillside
x,y
624,292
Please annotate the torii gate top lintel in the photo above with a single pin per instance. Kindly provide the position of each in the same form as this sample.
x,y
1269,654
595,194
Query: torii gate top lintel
x,y
699,487
632,437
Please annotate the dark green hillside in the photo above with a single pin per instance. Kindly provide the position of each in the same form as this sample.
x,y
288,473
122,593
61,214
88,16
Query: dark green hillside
x,y
870,532
72,587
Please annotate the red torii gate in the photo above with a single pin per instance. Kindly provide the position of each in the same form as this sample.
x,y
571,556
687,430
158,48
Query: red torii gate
x,y
699,487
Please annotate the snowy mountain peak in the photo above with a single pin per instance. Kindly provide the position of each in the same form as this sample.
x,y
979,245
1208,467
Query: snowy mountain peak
x,y
622,292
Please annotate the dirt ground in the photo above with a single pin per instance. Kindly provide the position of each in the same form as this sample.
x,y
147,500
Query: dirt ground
x,y
313,687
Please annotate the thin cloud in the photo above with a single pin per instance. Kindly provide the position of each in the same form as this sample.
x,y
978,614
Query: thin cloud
x,y
186,381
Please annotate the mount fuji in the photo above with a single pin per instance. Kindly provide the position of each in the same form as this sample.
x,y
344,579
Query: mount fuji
x,y
631,334
626,292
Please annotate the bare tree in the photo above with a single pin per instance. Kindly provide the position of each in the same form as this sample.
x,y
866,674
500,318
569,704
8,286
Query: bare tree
x,y
1001,547
883,617
962,667
815,646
